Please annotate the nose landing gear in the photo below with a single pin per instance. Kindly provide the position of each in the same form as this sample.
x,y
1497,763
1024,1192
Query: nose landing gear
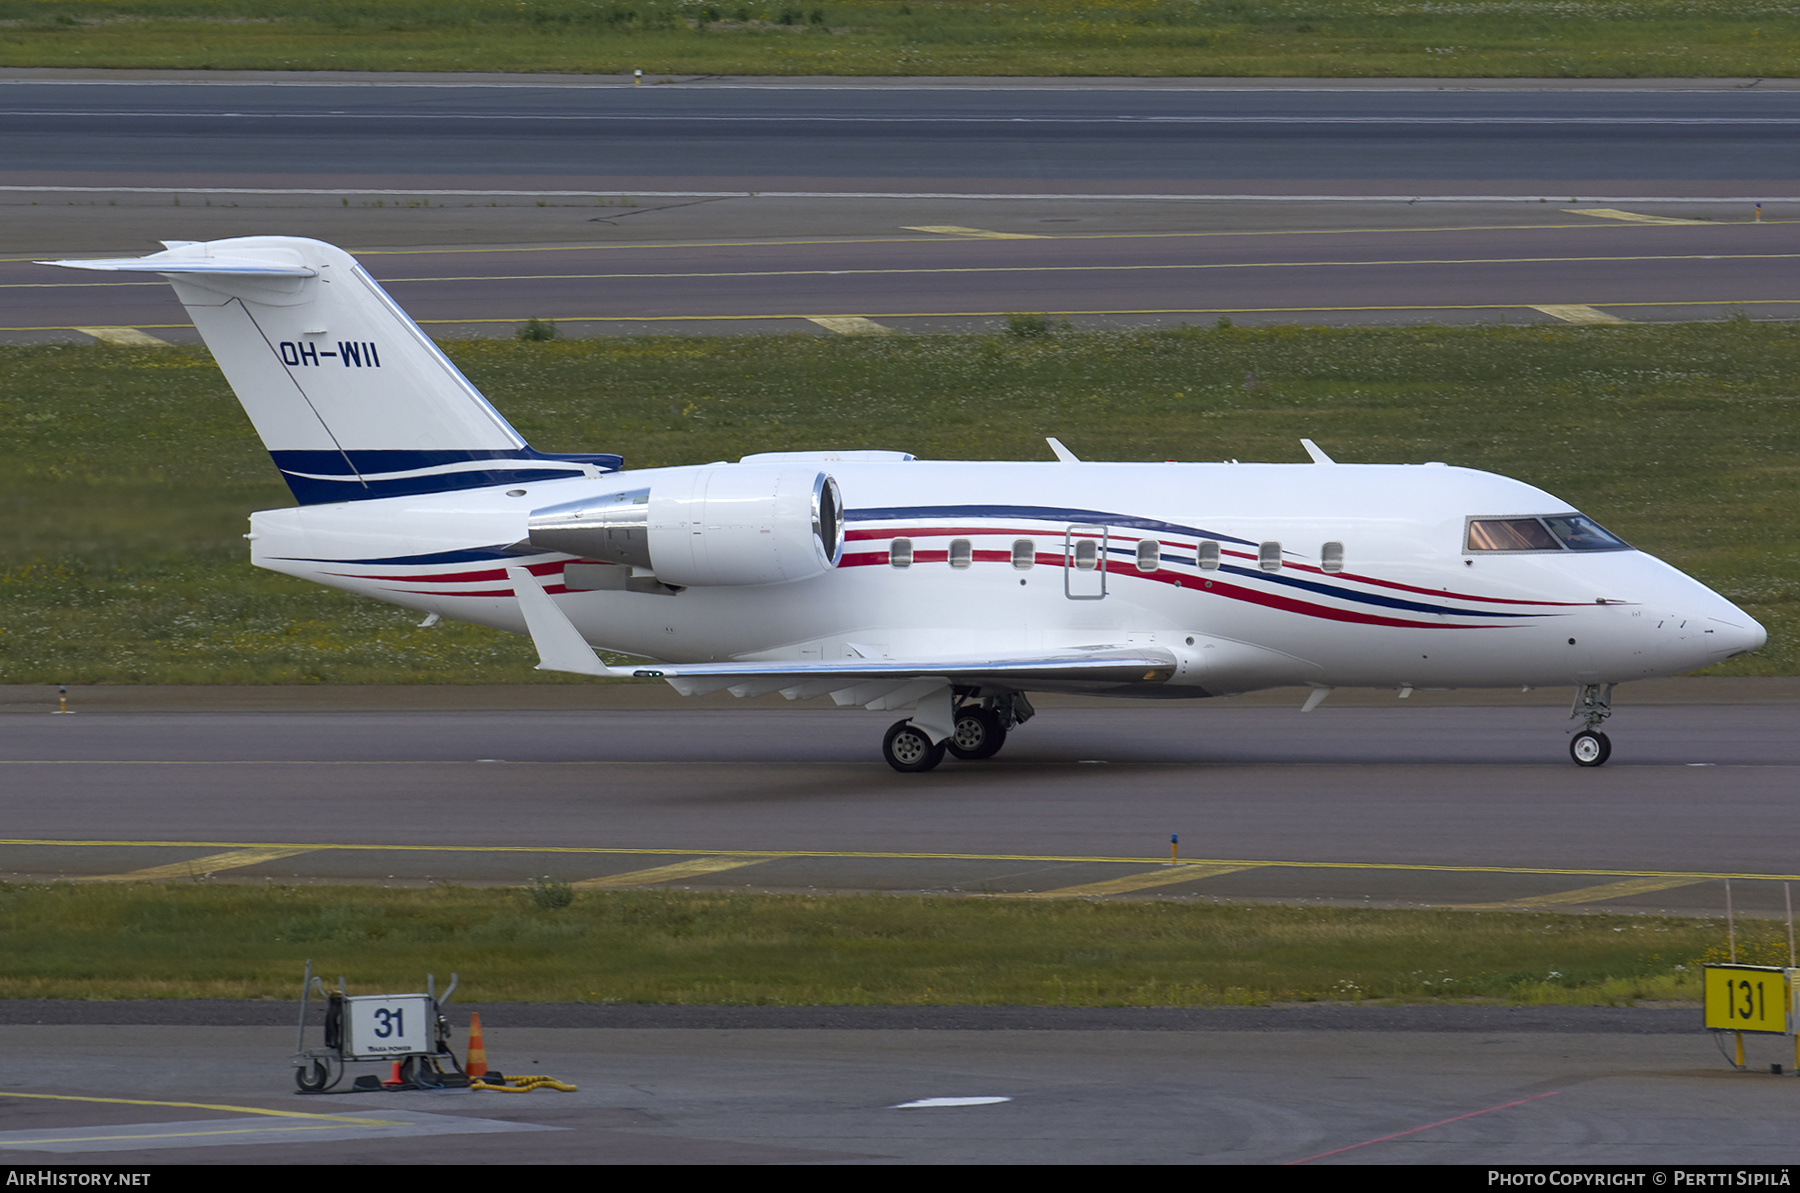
x,y
1593,704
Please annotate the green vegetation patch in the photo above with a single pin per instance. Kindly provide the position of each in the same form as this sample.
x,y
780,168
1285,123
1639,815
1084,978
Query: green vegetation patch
x,y
126,473
1335,38
193,940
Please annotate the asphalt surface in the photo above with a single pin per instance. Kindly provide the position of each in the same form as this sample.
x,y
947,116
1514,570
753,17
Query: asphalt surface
x,y
1458,806
217,1094
1049,137
910,281
728,207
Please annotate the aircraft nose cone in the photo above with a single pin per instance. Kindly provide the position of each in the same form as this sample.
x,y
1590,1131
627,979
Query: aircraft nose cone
x,y
1735,639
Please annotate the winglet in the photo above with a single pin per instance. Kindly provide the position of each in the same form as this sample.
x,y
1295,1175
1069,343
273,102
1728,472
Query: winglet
x,y
560,645
1318,455
1063,454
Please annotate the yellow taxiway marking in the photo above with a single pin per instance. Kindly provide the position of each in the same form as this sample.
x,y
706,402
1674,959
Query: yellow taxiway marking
x,y
1576,313
977,233
1586,894
766,854
851,325
131,337
201,865
40,1142
1630,217
1167,876
670,873
339,1119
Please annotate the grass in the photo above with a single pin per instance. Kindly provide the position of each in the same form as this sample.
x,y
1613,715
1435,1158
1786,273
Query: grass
x,y
192,940
126,473
1331,38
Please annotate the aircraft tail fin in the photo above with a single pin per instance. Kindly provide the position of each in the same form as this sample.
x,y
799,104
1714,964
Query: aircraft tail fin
x,y
351,398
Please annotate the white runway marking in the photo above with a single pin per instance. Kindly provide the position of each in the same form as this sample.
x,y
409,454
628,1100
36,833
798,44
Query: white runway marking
x,y
926,1103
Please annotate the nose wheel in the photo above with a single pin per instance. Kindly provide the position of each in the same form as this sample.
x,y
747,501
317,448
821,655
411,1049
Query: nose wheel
x,y
1589,748
1593,704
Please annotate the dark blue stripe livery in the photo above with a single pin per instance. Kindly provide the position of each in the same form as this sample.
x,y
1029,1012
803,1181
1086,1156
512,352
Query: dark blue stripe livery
x,y
343,472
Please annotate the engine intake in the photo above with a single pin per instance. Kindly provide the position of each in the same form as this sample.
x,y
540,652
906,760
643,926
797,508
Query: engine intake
x,y
708,526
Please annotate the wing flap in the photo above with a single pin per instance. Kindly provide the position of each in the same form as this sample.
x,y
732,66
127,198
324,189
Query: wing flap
x,y
865,680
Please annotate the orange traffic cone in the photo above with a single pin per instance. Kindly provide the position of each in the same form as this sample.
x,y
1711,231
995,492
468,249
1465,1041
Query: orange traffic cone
x,y
477,1064
395,1080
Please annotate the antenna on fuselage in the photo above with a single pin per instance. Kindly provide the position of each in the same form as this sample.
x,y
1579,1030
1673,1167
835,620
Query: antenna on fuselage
x,y
1317,454
1063,454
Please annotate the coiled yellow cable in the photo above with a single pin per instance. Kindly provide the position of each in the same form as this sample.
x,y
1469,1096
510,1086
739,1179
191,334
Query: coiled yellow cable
x,y
524,1085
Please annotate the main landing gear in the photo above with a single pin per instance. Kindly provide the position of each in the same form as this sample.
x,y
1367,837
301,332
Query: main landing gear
x,y
1593,704
981,728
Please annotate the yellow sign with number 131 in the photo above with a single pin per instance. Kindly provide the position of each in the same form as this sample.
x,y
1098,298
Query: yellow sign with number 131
x,y
1747,998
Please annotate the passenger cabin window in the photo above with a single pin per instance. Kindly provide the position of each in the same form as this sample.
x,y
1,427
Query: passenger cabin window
x,y
1149,555
1024,553
1268,557
900,553
1209,556
1558,532
960,553
1087,555
1331,557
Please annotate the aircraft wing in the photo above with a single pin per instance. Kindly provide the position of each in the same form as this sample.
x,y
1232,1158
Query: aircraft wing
x,y
871,682
893,683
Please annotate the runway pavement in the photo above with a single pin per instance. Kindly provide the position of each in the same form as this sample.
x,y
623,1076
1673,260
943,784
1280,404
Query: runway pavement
x,y
1458,806
1048,135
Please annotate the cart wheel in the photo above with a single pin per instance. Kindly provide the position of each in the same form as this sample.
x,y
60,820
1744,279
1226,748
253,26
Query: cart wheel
x,y
312,1078
409,1071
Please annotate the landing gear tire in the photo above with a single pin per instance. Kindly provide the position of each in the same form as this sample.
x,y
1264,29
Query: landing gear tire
x,y
1589,748
910,751
979,734
312,1078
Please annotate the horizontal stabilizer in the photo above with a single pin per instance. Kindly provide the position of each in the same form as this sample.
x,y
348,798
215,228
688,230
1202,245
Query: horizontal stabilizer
x,y
168,263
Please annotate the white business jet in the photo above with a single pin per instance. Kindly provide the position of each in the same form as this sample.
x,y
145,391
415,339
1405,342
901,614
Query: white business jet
x,y
949,588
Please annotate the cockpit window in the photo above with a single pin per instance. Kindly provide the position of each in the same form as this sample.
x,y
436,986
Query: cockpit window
x,y
1579,533
1573,532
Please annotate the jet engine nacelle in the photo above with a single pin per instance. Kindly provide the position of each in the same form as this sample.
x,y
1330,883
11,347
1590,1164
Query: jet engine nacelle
x,y
707,526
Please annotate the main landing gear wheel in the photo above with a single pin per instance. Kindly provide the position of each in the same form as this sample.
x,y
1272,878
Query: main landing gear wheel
x,y
909,750
979,734
1589,748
